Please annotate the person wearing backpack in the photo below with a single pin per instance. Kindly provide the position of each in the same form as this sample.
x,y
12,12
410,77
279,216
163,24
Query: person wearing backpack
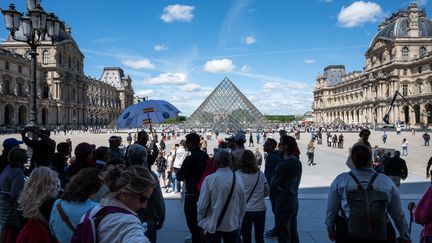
x,y
35,202
74,203
255,190
360,201
115,219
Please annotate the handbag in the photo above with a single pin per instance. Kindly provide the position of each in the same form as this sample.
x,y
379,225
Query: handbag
x,y
253,188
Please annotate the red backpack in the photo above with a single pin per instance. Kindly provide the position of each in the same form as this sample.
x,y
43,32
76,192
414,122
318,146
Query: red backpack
x,y
86,231
210,169
34,231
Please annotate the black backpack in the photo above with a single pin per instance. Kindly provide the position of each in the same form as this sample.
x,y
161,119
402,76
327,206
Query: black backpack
x,y
368,211
161,164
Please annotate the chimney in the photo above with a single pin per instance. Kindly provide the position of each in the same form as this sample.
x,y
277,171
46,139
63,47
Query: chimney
x,y
68,29
413,20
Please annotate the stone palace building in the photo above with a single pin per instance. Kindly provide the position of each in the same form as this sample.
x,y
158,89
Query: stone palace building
x,y
399,58
65,95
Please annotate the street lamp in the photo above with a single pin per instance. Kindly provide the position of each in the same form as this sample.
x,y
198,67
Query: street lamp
x,y
33,27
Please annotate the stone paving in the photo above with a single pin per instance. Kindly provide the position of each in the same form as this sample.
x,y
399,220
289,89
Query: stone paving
x,y
314,184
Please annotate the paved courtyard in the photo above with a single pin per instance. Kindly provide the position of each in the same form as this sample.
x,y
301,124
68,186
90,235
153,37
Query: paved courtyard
x,y
314,184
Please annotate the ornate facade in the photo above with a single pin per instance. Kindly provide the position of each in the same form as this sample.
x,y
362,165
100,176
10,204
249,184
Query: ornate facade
x,y
66,96
399,58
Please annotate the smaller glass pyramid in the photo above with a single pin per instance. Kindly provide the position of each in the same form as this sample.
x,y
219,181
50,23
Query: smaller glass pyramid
x,y
226,108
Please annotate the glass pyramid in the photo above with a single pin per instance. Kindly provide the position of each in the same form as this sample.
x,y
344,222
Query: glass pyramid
x,y
226,108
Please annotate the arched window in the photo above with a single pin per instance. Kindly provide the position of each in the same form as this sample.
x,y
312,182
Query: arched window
x,y
405,53
422,51
7,87
69,62
60,59
45,57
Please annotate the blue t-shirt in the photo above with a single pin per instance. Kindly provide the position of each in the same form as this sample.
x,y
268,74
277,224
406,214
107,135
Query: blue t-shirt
x,y
74,210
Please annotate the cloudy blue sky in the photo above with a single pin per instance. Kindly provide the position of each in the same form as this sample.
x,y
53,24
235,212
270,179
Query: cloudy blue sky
x,y
180,50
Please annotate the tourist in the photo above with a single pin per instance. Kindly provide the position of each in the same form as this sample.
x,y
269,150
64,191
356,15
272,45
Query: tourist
x,y
222,187
180,155
364,140
84,158
58,164
284,188
310,153
255,190
154,214
258,157
396,168
203,144
346,221
258,136
384,137
114,147
129,138
341,141
102,155
191,172
152,154
129,191
36,201
404,147
334,140
239,140
11,185
75,202
42,149
426,138
251,142
8,145
161,167
272,161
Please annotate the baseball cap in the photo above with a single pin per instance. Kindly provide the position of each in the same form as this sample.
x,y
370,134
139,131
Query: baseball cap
x,y
230,138
115,138
83,149
10,143
240,136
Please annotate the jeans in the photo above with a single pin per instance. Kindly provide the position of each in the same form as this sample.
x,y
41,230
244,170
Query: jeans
x,y
426,142
228,237
190,211
257,219
175,182
286,226
405,151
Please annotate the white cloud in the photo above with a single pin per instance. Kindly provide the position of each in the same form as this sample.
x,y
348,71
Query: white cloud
x,y
145,92
245,69
309,61
168,78
219,66
139,64
177,12
250,40
272,85
359,13
160,47
190,87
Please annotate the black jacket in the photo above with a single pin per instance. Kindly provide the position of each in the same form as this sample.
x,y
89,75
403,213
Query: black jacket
x,y
396,167
285,183
192,170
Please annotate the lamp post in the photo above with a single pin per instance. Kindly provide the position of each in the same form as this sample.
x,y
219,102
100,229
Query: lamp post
x,y
32,27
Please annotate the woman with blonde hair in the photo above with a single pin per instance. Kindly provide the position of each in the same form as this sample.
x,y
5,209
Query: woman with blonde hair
x,y
255,190
35,202
129,191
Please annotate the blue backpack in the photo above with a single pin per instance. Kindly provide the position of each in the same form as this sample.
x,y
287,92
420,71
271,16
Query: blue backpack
x,y
86,231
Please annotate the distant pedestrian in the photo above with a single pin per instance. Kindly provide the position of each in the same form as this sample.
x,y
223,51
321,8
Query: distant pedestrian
x,y
114,146
310,153
340,141
426,138
251,142
384,137
335,140
413,132
129,138
258,136
404,147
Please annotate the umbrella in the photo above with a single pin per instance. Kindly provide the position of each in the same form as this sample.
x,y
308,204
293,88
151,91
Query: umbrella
x,y
146,112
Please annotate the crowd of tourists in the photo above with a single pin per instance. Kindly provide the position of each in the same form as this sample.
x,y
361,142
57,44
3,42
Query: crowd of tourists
x,y
110,193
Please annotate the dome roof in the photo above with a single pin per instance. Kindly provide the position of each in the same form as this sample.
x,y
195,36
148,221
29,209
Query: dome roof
x,y
397,26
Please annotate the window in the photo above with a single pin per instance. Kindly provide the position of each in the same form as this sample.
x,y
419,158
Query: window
x,y
422,51
45,92
7,87
60,59
45,57
430,67
19,69
405,53
405,72
19,89
405,90
69,62
420,69
6,65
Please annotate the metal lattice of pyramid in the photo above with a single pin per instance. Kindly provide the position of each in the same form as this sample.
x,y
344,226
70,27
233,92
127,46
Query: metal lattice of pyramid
x,y
226,108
